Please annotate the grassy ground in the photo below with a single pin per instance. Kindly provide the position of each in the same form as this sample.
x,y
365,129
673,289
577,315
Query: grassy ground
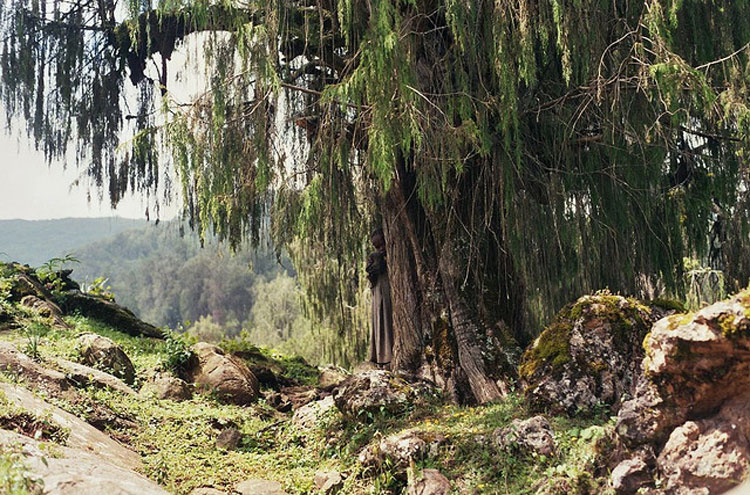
x,y
176,439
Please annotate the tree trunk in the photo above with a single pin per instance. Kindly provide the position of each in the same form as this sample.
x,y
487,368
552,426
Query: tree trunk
x,y
437,332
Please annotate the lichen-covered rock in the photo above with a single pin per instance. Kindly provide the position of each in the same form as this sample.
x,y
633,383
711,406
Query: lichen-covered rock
x,y
533,435
588,356
632,473
399,449
221,373
331,377
428,482
306,417
373,391
695,365
708,455
166,386
102,353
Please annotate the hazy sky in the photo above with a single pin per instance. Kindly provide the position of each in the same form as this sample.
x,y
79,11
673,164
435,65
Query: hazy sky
x,y
31,190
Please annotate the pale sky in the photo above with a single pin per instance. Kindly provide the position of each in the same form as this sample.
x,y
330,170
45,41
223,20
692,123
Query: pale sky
x,y
31,190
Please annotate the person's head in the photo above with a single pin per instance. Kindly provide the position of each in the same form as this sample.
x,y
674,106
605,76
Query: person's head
x,y
378,239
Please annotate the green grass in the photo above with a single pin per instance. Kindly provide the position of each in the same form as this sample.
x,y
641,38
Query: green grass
x,y
176,439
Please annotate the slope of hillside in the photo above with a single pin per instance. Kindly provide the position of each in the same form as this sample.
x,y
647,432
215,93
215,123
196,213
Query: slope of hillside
x,y
36,241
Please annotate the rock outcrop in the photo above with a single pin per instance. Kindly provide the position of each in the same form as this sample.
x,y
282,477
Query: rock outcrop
x,y
371,392
118,317
46,309
100,352
37,376
691,406
588,357
82,436
77,471
227,376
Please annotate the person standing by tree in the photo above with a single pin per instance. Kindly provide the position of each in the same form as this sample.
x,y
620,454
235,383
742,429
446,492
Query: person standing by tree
x,y
381,335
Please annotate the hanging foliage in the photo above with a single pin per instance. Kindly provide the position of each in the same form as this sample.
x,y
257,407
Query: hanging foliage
x,y
519,153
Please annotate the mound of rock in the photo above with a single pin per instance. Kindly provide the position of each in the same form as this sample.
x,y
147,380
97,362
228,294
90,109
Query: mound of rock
x,y
691,407
102,353
588,357
533,435
399,449
221,373
371,392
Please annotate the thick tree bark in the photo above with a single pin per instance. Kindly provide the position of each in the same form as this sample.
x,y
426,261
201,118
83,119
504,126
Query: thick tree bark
x,y
437,332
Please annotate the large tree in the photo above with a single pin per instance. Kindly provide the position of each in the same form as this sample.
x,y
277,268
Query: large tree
x,y
516,152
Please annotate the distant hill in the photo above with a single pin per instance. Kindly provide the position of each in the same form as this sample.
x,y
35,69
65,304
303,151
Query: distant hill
x,y
36,241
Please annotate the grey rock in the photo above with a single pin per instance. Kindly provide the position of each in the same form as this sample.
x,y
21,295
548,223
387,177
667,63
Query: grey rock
x,y
84,376
229,439
83,436
530,435
588,357
331,377
378,390
259,487
430,482
631,474
207,490
166,386
221,373
102,353
308,416
328,482
79,471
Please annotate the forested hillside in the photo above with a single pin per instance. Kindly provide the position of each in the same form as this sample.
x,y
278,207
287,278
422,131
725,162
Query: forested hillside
x,y
168,277
37,241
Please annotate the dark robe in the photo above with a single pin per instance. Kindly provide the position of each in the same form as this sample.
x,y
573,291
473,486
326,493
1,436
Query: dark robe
x,y
381,335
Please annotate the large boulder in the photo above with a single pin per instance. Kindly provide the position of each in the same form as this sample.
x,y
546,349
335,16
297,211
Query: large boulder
x,y
102,309
221,373
588,357
102,353
76,471
691,403
371,392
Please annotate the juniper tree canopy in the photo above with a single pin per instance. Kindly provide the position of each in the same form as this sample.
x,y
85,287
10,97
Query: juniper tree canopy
x,y
516,152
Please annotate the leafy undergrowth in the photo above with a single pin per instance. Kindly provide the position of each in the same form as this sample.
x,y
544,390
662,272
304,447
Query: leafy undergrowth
x,y
177,439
